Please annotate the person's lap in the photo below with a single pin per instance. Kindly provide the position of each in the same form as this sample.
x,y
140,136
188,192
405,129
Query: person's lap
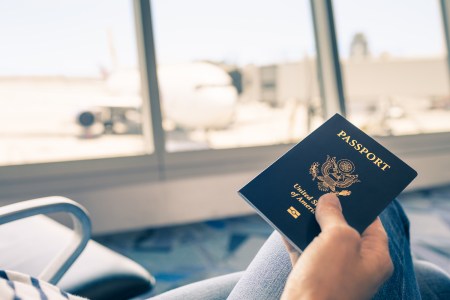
x,y
434,283
403,283
266,275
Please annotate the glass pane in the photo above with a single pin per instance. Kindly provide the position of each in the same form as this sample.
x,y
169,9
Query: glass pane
x,y
235,73
394,63
69,81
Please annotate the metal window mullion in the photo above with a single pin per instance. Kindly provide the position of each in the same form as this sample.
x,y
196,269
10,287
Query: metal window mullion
x,y
150,82
329,70
445,12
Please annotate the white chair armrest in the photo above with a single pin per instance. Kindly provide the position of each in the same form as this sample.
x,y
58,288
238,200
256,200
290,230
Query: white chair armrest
x,y
81,227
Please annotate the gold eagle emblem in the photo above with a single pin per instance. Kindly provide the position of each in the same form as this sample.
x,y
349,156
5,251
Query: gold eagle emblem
x,y
335,175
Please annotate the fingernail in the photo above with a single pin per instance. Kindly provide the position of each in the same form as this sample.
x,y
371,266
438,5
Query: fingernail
x,y
330,199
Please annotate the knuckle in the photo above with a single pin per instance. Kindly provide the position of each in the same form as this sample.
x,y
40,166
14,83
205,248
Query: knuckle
x,y
388,269
384,237
386,265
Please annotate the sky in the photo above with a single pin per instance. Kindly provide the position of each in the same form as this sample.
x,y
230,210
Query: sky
x,y
70,37
64,37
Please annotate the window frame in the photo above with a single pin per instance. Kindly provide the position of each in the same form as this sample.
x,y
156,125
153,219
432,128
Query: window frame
x,y
97,166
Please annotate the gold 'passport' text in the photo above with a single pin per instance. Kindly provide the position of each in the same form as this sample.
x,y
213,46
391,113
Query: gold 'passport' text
x,y
363,150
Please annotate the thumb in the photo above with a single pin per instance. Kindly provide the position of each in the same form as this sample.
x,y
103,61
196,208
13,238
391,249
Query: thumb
x,y
329,212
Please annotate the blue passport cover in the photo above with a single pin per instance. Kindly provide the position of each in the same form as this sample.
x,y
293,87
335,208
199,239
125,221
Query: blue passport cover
x,y
339,158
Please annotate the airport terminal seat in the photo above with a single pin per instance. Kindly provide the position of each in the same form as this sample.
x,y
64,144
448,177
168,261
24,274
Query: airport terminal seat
x,y
31,243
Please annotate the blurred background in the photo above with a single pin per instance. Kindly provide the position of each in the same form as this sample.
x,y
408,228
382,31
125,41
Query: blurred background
x,y
155,114
230,75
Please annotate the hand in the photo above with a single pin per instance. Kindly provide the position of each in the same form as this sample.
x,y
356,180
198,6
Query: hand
x,y
339,263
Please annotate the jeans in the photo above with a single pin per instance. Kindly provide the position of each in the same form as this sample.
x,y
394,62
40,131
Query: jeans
x,y
266,275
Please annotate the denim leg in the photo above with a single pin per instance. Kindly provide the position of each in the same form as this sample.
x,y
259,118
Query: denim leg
x,y
266,275
403,283
434,283
217,288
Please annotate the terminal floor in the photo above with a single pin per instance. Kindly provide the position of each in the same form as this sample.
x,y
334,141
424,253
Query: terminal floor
x,y
178,255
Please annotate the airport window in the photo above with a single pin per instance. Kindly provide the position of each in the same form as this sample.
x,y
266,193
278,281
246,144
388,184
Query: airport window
x,y
394,65
69,82
234,76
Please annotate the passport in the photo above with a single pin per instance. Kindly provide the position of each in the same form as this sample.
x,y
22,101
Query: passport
x,y
335,158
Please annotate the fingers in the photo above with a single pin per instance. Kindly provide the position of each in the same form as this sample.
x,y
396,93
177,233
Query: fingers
x,y
375,238
293,253
375,230
329,212
375,244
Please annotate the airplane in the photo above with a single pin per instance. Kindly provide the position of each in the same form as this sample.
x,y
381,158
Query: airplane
x,y
194,95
